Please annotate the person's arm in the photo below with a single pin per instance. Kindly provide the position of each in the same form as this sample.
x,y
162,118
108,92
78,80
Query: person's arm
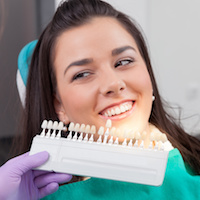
x,y
19,181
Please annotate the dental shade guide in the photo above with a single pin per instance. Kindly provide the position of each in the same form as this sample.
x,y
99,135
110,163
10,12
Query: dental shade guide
x,y
106,158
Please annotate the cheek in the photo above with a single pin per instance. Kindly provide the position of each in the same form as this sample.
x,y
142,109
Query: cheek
x,y
140,82
76,99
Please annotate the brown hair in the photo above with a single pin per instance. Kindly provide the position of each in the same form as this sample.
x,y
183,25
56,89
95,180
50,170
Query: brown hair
x,y
41,81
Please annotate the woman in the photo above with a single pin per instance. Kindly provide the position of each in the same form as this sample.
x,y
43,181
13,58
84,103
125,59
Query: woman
x,y
92,59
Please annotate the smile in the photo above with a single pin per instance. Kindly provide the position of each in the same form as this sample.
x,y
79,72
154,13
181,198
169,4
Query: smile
x,y
118,109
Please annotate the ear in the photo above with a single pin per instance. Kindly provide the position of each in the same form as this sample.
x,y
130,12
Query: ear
x,y
60,111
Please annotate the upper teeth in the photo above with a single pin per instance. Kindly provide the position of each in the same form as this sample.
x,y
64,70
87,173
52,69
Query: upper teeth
x,y
118,109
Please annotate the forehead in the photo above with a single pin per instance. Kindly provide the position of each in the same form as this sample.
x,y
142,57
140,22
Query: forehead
x,y
100,33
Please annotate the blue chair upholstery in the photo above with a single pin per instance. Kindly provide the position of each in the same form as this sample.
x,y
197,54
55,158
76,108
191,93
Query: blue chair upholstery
x,y
24,59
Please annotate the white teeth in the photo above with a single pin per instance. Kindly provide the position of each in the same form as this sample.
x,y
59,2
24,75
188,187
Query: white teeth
x,y
122,109
118,110
126,107
129,106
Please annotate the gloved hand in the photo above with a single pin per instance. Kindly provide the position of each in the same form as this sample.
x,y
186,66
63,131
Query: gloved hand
x,y
18,181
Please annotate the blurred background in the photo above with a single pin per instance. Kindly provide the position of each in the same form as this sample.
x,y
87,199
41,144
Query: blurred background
x,y
172,32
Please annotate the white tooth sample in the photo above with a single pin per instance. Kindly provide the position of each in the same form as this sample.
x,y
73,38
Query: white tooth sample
x,y
92,131
122,108
117,111
152,138
163,138
87,131
137,137
112,112
108,123
49,127
100,132
60,128
44,126
71,128
76,129
132,136
156,140
117,132
143,137
55,126
82,129
126,134
112,133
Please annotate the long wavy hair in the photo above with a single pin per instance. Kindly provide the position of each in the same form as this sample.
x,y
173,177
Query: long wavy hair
x,y
41,85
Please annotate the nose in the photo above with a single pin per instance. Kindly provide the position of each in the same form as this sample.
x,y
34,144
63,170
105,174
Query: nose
x,y
112,85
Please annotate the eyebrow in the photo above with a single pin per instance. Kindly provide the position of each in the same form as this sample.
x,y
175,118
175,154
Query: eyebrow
x,y
86,61
79,63
119,50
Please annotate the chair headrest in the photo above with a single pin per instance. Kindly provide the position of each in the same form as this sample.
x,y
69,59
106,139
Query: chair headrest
x,y
24,60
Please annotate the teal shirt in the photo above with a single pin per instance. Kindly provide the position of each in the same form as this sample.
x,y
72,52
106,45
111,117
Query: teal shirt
x,y
178,184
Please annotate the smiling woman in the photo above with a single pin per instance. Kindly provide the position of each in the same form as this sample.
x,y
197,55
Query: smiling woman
x,y
89,65
104,77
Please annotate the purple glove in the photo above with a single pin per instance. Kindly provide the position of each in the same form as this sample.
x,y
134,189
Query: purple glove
x,y
19,181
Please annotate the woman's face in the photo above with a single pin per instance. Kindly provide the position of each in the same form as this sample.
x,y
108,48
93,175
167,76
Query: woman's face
x,y
101,75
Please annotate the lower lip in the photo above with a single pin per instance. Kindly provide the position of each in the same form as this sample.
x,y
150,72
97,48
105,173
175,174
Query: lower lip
x,y
121,116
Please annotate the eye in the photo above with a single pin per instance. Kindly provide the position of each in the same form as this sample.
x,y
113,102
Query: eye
x,y
123,62
80,75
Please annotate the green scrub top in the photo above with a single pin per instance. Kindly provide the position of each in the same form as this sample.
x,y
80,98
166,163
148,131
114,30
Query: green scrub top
x,y
178,184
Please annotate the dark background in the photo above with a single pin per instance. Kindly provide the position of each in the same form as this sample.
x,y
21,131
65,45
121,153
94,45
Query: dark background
x,y
22,21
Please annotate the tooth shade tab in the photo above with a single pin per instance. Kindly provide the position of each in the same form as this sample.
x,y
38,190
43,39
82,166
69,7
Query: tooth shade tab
x,y
132,134
71,126
127,133
82,128
144,135
153,136
118,132
101,130
77,127
61,126
108,123
44,124
163,138
87,129
112,131
44,127
55,125
50,124
93,129
137,135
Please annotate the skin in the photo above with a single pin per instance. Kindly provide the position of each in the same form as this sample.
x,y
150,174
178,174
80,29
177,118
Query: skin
x,y
109,72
